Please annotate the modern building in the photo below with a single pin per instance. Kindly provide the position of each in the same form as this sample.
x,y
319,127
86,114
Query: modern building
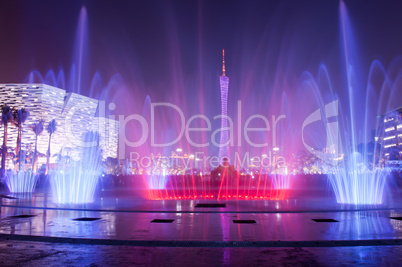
x,y
390,133
109,132
75,115
224,146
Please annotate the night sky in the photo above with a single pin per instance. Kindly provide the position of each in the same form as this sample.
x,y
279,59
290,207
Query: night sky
x,y
142,39
171,50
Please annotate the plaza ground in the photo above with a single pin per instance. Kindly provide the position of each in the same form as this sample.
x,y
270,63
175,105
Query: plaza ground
x,y
305,228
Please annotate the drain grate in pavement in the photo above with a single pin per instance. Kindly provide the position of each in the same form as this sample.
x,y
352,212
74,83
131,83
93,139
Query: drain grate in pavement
x,y
162,221
396,218
210,205
86,219
8,197
244,221
325,220
22,216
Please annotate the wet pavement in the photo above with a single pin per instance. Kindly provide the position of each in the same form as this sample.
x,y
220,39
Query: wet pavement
x,y
119,229
24,253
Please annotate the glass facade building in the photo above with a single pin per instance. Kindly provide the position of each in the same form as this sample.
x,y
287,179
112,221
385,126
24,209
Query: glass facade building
x,y
75,115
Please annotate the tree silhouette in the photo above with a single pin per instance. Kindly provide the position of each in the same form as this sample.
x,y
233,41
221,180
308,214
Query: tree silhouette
x,y
37,128
6,117
19,116
51,128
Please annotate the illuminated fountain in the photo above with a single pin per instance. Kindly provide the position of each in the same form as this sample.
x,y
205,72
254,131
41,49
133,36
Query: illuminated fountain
x,y
239,187
75,183
281,181
73,180
359,186
287,103
221,183
359,179
188,179
21,181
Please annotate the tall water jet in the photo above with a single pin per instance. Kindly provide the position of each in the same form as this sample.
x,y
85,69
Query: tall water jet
x,y
80,68
357,180
75,183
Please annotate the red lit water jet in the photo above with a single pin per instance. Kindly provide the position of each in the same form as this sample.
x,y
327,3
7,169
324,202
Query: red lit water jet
x,y
216,187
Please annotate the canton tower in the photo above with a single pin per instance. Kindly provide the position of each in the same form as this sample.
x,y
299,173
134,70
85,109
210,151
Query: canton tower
x,y
224,151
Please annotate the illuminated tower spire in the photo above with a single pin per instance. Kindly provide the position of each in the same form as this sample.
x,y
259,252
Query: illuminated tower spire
x,y
223,63
224,151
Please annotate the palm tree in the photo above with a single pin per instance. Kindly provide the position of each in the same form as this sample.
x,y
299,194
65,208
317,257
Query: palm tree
x,y
20,116
37,128
64,156
51,128
6,117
